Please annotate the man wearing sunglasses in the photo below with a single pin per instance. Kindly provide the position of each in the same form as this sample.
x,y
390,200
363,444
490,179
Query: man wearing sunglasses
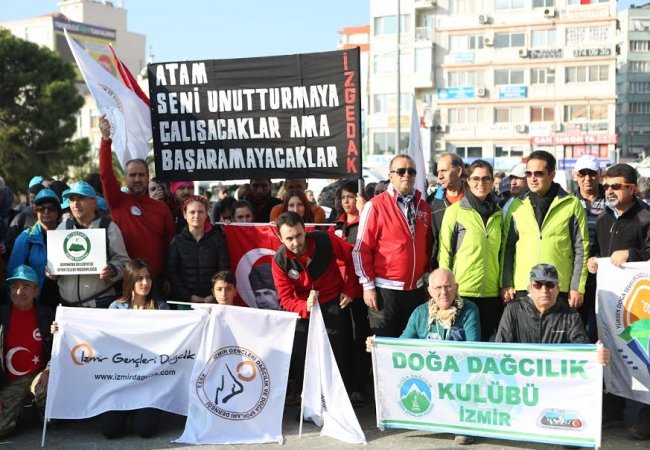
x,y
393,250
623,235
538,318
547,225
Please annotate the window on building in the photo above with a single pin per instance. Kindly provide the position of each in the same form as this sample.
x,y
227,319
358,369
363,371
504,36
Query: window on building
x,y
585,113
508,151
466,115
385,63
465,78
583,74
543,38
465,42
384,143
542,75
388,24
469,152
639,108
509,4
509,114
639,87
385,103
640,25
508,40
508,76
639,66
586,35
467,7
543,3
542,114
639,46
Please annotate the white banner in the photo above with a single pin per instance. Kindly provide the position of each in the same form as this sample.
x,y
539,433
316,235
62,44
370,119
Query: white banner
x,y
324,398
239,382
623,312
505,391
76,252
105,360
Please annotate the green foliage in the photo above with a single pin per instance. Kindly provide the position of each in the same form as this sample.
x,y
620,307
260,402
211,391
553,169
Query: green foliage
x,y
38,106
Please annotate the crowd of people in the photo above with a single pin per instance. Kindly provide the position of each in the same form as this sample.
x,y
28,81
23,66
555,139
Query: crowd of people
x,y
475,259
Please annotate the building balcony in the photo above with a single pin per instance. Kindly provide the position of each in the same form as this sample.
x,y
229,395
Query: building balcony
x,y
422,79
424,4
423,34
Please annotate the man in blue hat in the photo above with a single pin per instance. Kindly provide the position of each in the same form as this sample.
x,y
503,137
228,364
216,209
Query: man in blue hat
x,y
27,346
92,290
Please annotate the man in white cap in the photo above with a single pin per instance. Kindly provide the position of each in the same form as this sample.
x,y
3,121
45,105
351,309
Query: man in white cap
x,y
592,197
518,185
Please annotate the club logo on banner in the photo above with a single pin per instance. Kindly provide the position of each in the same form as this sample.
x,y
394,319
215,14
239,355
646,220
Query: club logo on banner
x,y
265,117
508,391
235,384
624,324
76,246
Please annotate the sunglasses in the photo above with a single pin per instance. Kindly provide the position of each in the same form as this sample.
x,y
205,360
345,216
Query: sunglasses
x,y
536,174
484,180
587,173
616,186
548,284
50,208
403,171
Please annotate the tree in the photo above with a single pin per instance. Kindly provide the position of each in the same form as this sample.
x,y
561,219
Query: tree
x,y
38,106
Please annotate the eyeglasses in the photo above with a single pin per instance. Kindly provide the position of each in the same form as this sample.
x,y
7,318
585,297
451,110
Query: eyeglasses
x,y
50,208
540,284
484,180
403,170
536,174
616,186
587,173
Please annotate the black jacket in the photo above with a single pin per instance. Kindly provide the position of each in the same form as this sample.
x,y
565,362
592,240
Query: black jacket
x,y
522,322
630,232
439,204
44,317
191,264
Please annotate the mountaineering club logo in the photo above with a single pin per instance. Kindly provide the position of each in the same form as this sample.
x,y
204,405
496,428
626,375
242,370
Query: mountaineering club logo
x,y
415,396
76,246
235,384
633,320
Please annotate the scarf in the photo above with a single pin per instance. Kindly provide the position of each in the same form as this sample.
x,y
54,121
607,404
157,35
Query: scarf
x,y
446,317
541,205
484,208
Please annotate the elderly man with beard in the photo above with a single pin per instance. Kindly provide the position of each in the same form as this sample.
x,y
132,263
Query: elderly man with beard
x,y
623,235
146,224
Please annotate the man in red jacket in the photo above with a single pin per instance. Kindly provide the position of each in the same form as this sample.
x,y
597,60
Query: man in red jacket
x,y
305,271
146,224
393,250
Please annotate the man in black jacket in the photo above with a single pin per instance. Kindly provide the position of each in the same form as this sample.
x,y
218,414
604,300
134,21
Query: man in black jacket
x,y
27,346
623,235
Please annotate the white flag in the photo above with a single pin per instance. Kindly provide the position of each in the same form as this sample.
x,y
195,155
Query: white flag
x,y
129,116
324,399
416,152
239,382
106,360
623,313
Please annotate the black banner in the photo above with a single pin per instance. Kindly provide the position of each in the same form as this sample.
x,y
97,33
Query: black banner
x,y
281,116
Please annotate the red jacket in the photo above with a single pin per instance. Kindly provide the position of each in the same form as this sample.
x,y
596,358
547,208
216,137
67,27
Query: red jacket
x,y
385,254
146,224
293,279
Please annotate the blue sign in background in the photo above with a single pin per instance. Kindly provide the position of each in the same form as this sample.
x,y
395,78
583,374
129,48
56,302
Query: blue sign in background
x,y
456,93
513,91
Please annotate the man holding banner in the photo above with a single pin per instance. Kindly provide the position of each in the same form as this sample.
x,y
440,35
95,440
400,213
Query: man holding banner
x,y
623,235
306,271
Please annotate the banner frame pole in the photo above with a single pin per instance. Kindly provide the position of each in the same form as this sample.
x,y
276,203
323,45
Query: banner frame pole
x,y
44,430
375,382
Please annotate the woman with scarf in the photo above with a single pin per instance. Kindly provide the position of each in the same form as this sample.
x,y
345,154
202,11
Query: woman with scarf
x,y
470,240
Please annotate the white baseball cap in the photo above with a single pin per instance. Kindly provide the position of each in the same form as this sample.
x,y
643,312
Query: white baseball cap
x,y
519,171
587,162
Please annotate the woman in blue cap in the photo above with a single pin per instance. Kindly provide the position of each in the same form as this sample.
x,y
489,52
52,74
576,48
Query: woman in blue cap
x,y
31,245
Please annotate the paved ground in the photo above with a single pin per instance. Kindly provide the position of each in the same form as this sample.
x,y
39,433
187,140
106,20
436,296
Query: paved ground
x,y
85,435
